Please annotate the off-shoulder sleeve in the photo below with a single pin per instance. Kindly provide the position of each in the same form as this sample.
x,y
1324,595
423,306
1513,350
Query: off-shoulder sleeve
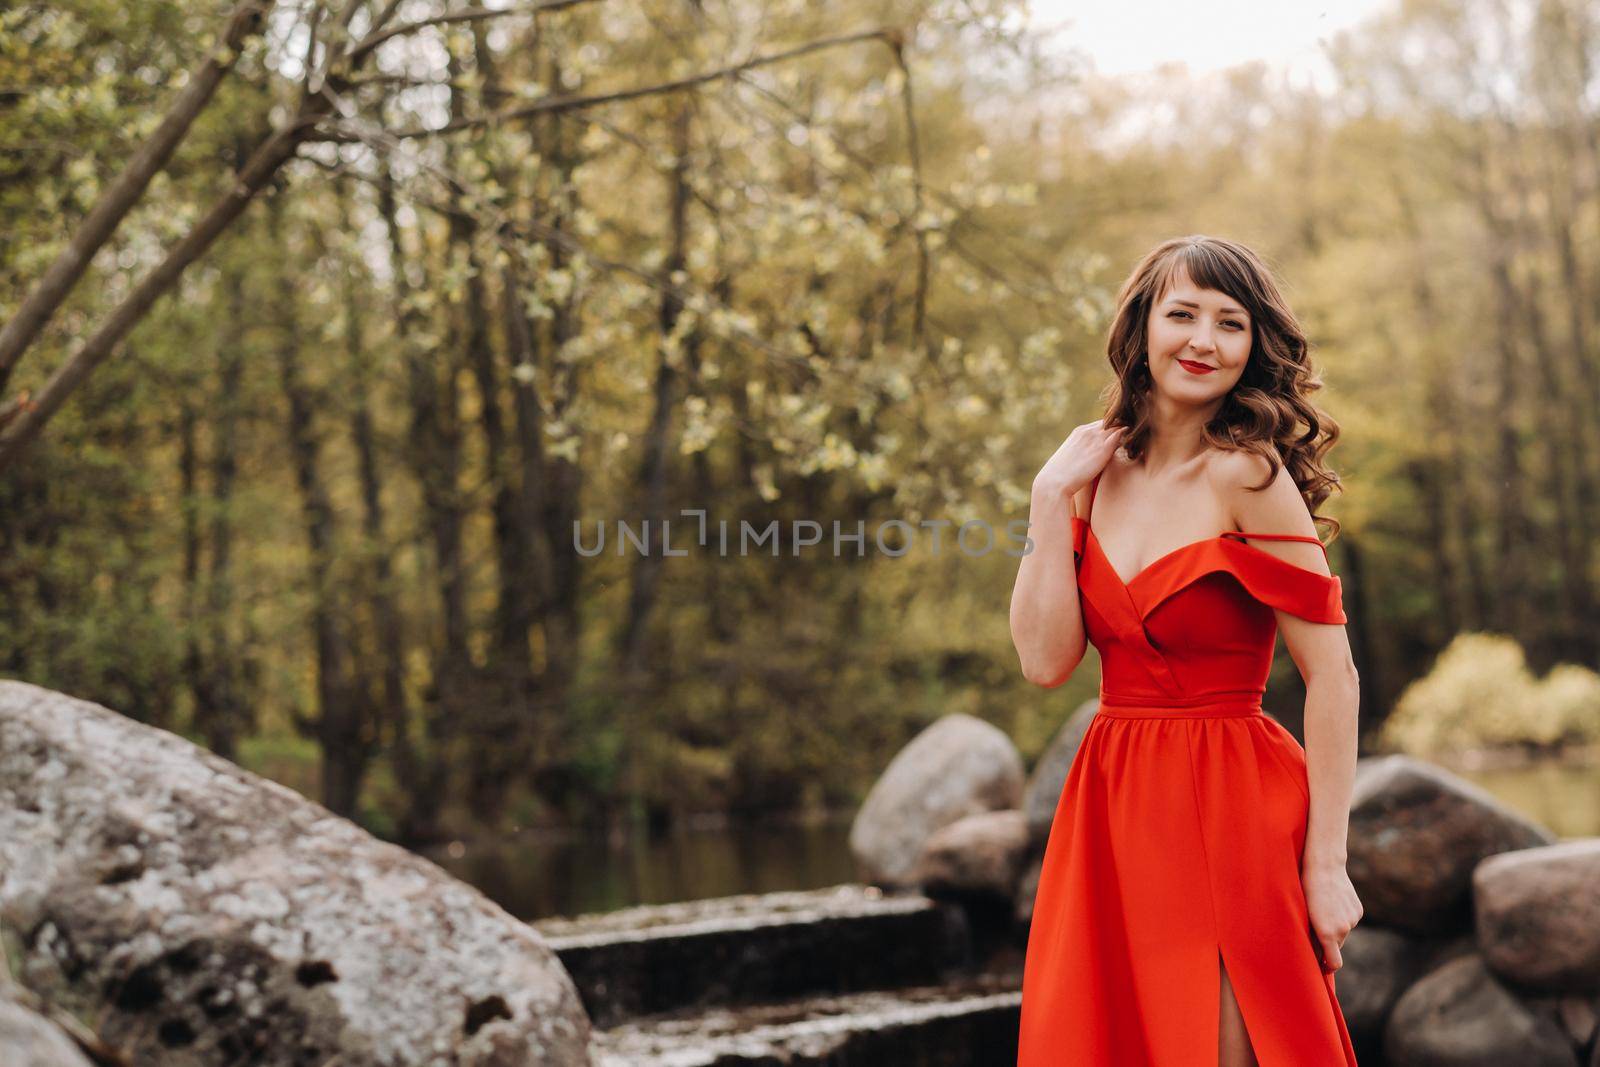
x,y
1286,586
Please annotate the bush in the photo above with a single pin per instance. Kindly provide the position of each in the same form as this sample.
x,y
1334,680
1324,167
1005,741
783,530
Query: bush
x,y
1480,694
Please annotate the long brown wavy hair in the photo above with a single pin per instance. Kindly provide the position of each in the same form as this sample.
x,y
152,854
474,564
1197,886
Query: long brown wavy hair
x,y
1269,412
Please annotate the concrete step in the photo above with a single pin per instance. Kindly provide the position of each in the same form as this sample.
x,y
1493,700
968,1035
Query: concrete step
x,y
972,1023
758,947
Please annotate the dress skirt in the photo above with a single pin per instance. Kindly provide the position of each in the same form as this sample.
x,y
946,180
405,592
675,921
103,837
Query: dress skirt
x,y
1177,842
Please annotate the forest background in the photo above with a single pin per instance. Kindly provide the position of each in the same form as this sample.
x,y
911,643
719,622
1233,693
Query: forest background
x,y
296,423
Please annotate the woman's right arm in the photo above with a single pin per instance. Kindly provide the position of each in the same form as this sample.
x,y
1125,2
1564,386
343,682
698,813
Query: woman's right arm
x,y
1046,619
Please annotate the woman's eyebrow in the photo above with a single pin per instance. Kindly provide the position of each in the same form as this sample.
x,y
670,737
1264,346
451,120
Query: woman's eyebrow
x,y
1192,304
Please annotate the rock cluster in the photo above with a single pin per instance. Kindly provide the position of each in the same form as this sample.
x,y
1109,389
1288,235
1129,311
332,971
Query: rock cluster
x,y
201,915
958,767
1480,942
955,815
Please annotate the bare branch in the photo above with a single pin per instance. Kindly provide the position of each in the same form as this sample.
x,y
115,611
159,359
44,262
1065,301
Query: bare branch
x,y
311,48
250,180
557,104
469,14
349,13
381,19
920,304
14,407
123,193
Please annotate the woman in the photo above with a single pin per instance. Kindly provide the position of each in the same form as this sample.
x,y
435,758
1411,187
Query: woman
x,y
1193,899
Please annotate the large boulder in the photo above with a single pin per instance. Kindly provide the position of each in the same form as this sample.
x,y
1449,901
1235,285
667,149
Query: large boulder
x,y
1538,916
1458,1015
978,856
202,915
28,1039
1050,773
1416,834
956,767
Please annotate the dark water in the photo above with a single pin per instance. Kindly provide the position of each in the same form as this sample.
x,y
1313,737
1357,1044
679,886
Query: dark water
x,y
536,878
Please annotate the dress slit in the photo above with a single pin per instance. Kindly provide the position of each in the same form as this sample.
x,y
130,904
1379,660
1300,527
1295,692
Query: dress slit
x,y
1244,1016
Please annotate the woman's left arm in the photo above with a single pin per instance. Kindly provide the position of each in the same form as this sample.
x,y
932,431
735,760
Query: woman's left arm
x,y
1333,698
1333,695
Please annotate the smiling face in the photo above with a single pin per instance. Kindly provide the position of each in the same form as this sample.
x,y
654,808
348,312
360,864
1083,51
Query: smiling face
x,y
1199,342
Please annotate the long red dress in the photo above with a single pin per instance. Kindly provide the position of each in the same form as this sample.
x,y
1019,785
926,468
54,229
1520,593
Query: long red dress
x,y
1179,832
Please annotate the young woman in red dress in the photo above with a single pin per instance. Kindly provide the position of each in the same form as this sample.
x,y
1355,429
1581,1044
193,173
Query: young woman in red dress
x,y
1193,899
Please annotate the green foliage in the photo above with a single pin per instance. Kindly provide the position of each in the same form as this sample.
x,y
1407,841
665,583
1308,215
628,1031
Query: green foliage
x,y
81,568
1481,694
831,333
284,757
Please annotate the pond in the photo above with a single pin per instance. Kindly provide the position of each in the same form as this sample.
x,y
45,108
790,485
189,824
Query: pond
x,y
1564,797
536,877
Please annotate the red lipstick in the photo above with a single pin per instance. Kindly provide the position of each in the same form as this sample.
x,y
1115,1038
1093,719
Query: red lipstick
x,y
1195,368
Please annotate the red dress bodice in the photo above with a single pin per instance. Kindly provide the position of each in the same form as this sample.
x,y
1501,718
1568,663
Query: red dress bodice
x,y
1199,623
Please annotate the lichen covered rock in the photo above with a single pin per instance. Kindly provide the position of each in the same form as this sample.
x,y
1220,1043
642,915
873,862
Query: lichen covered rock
x,y
204,915
28,1039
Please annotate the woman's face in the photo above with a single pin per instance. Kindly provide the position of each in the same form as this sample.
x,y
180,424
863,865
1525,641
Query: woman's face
x,y
1199,342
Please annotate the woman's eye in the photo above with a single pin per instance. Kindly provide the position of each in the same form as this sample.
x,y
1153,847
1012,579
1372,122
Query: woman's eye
x,y
1236,324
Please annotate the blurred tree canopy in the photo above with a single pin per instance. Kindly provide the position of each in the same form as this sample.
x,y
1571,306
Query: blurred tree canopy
x,y
326,323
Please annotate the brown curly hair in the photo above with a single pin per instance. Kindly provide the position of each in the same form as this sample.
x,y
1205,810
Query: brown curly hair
x,y
1265,411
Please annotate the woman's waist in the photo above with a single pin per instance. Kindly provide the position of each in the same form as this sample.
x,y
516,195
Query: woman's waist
x,y
1225,704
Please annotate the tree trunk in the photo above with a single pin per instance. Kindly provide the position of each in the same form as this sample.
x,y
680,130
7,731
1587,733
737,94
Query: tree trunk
x,y
226,714
338,726
651,482
391,714
1463,581
434,458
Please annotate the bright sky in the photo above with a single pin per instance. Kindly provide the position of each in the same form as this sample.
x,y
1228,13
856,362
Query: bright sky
x,y
1133,36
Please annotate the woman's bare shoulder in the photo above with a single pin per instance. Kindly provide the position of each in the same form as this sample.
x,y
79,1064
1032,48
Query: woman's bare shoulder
x,y
1240,470
1258,498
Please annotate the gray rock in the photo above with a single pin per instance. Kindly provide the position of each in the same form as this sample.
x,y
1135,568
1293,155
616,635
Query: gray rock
x,y
1416,833
1050,774
203,915
1577,1015
1460,1016
1580,1017
980,855
1437,953
28,1039
1378,966
1538,916
956,767
1027,890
